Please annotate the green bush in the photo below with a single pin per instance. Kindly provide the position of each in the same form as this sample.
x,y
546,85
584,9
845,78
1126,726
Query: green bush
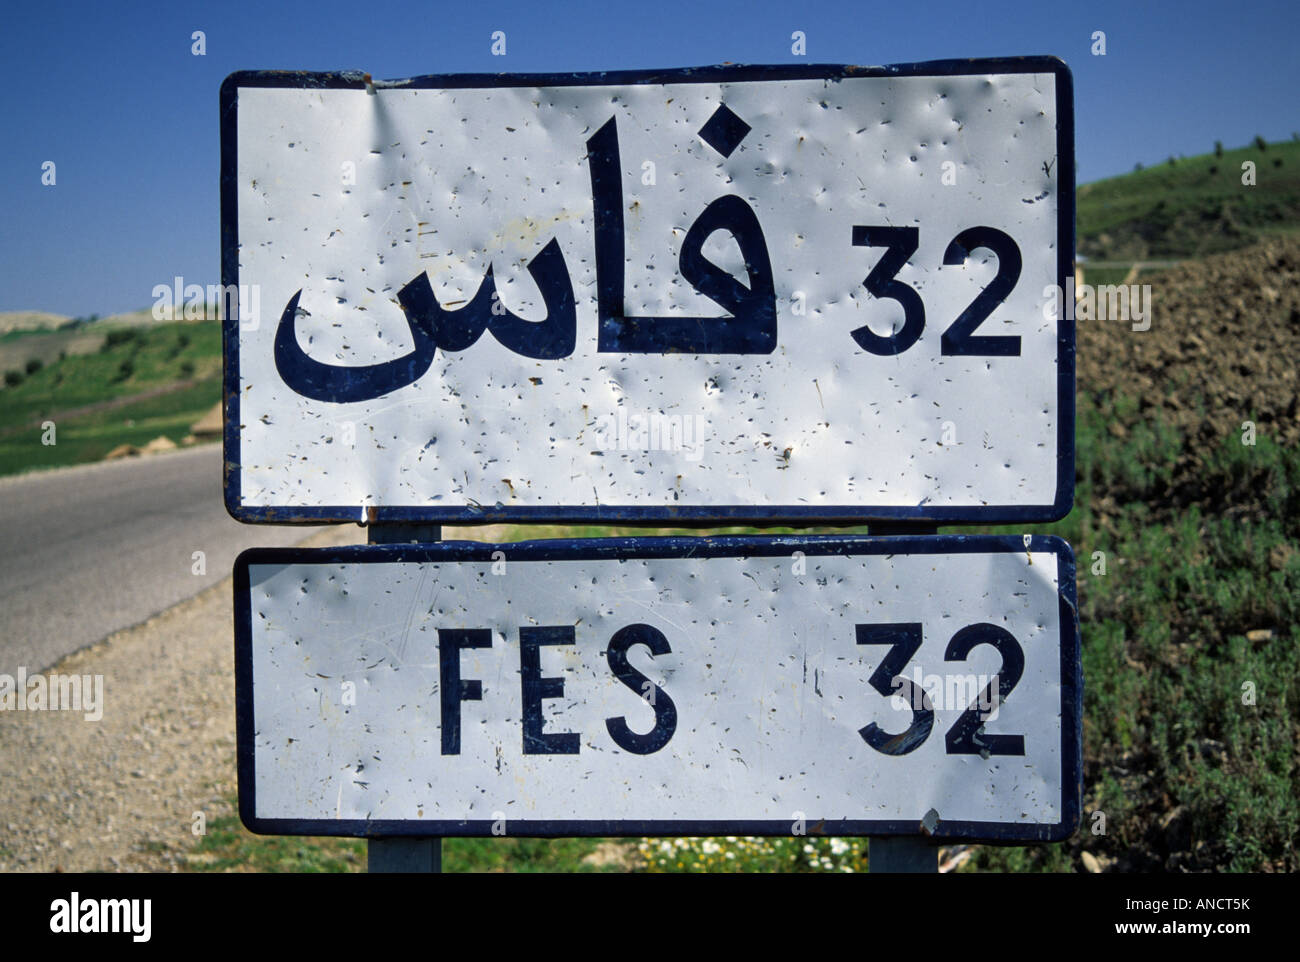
x,y
119,337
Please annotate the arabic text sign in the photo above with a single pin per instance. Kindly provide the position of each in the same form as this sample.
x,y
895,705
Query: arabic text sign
x,y
658,686
731,293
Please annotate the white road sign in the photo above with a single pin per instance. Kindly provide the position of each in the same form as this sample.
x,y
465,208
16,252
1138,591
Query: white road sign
x,y
740,293
824,684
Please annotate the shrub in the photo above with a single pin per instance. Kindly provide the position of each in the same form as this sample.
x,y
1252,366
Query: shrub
x,y
33,365
119,337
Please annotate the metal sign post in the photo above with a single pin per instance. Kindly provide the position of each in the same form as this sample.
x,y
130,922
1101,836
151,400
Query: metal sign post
x,y
404,855
912,854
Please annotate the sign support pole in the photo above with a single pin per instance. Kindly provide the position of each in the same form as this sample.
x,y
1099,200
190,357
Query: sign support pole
x,y
903,853
906,853
404,855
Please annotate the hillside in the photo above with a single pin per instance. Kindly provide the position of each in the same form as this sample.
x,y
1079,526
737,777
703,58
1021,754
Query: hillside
x,y
1191,206
123,385
14,323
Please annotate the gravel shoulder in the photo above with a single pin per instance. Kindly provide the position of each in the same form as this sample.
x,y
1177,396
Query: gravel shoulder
x,y
121,793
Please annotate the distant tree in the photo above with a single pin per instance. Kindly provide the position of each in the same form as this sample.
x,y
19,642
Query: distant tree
x,y
126,368
1173,161
187,368
123,335
1261,143
13,378
1218,148
33,365
1137,168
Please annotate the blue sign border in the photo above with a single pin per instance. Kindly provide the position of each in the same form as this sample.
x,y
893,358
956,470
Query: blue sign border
x,y
664,514
619,549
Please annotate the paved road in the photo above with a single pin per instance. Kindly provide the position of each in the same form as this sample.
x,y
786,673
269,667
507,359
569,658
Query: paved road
x,y
86,551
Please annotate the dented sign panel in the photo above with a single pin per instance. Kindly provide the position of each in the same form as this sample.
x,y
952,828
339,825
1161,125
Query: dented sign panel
x,y
821,684
731,293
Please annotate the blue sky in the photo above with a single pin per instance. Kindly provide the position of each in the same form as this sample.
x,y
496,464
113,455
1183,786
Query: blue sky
x,y
113,95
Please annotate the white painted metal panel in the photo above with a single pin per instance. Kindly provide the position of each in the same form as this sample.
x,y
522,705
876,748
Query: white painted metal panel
x,y
342,712
348,196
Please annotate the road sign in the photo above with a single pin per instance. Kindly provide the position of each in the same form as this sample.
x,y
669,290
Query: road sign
x,y
821,684
733,293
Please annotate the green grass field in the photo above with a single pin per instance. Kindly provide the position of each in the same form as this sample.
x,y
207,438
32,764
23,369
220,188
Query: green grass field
x,y
1194,206
87,396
